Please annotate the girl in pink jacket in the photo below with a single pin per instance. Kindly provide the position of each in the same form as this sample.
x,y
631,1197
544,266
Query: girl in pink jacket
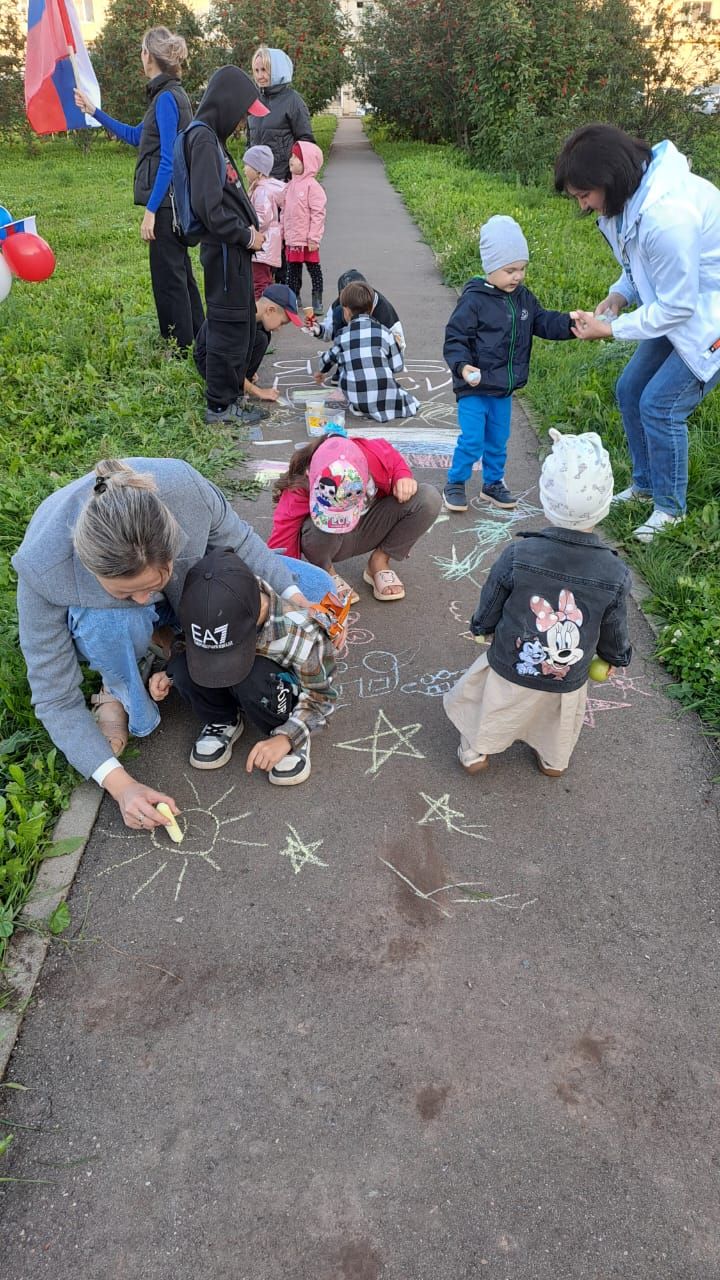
x,y
267,196
304,220
343,497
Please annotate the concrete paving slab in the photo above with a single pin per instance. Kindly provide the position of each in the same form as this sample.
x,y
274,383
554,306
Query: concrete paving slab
x,y
397,1023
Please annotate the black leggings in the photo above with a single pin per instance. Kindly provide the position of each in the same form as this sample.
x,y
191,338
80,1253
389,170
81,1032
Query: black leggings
x,y
293,277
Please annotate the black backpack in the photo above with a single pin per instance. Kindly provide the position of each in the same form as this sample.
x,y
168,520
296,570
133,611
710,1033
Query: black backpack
x,y
187,226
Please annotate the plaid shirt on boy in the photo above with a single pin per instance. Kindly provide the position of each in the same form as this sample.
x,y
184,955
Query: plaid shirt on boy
x,y
290,639
368,357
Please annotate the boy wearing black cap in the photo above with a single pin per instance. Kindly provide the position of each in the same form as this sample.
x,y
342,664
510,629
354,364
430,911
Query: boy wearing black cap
x,y
248,655
276,306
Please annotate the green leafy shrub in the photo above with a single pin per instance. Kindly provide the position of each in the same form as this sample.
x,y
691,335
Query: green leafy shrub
x,y
509,81
116,53
314,33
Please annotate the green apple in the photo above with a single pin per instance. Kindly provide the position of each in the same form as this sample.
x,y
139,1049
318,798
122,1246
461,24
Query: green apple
x,y
599,669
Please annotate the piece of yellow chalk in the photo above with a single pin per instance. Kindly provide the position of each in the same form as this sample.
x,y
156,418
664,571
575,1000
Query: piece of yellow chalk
x,y
172,827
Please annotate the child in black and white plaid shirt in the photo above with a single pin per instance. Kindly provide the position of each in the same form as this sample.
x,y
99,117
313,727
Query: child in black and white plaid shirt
x,y
367,357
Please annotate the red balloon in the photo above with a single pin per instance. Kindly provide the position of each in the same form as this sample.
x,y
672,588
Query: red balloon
x,y
29,256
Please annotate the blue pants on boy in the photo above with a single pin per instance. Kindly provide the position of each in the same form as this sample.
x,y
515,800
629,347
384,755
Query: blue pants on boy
x,y
484,434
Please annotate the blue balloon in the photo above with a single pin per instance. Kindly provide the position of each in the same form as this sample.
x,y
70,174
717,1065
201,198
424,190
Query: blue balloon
x,y
5,216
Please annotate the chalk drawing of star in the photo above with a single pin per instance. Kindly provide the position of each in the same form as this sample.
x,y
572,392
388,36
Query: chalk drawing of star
x,y
629,684
439,811
299,852
594,705
385,741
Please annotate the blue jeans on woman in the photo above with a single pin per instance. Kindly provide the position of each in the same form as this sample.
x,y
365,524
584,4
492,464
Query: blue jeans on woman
x,y
113,641
656,393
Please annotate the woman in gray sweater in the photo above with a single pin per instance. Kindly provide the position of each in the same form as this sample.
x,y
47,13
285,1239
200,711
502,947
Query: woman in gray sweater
x,y
102,563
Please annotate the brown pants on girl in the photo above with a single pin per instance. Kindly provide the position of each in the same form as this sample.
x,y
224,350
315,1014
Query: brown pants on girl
x,y
392,526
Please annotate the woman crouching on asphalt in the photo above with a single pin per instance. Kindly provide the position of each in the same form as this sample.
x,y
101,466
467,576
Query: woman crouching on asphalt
x,y
102,565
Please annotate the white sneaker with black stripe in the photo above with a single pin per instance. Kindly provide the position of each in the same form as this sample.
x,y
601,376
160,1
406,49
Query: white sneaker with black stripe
x,y
213,748
292,769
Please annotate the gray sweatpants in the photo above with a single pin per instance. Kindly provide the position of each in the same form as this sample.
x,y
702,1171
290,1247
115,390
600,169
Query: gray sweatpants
x,y
389,525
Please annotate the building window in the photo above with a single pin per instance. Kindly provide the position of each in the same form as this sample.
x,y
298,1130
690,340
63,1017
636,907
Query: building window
x,y
703,11
88,11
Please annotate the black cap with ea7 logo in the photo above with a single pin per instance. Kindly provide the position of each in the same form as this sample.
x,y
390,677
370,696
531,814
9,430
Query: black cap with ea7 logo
x,y
219,610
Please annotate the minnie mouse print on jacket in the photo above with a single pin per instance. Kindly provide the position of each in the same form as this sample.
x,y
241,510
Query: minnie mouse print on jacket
x,y
538,643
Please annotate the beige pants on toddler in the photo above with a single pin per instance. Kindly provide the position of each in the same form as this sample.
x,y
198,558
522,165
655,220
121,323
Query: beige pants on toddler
x,y
492,713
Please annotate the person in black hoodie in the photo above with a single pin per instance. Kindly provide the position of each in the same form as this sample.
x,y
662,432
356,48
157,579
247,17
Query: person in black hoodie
x,y
177,297
487,349
219,200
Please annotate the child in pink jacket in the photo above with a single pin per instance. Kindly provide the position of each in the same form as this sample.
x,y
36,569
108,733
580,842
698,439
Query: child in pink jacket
x,y
304,220
267,196
344,496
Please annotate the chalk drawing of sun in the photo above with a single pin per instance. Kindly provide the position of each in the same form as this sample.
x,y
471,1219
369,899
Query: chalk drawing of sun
x,y
202,829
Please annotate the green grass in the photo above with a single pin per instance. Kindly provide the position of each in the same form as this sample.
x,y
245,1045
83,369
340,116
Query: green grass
x,y
83,376
571,384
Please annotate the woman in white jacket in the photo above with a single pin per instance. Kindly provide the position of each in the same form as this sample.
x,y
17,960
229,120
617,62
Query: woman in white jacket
x,y
662,222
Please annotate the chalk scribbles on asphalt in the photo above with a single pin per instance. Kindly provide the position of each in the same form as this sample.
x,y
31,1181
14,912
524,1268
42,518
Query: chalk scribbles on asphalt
x,y
377,675
202,828
439,811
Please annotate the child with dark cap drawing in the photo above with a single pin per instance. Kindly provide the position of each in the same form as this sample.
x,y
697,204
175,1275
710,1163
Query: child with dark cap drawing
x,y
247,656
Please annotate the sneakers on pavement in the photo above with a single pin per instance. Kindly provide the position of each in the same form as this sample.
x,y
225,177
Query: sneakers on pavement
x,y
499,495
292,769
654,523
454,497
630,495
213,748
251,407
236,415
470,760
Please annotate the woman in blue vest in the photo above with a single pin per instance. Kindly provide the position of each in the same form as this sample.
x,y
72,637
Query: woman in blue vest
x,y
177,297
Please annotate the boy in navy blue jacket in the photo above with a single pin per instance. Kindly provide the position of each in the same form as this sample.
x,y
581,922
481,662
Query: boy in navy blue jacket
x,y
487,348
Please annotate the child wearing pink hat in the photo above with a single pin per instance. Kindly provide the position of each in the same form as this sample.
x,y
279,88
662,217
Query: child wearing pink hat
x,y
342,497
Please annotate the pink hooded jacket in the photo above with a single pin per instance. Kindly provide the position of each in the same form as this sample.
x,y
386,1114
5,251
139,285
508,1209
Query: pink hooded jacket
x,y
268,196
305,200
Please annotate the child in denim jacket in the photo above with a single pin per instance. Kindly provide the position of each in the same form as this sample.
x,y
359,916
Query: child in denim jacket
x,y
551,601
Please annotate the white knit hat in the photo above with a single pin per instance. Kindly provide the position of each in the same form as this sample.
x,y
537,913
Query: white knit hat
x,y
576,481
502,242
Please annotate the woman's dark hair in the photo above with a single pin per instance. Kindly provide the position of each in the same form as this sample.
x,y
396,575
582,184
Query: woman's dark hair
x,y
296,476
358,297
599,155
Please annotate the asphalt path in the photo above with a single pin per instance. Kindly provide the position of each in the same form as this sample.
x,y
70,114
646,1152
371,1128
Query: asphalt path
x,y
397,1023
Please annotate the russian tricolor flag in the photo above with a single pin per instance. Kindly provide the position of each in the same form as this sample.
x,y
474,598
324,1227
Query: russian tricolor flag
x,y
55,62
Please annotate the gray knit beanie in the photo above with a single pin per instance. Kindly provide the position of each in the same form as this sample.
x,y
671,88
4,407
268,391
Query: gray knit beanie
x,y
502,242
576,481
260,158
